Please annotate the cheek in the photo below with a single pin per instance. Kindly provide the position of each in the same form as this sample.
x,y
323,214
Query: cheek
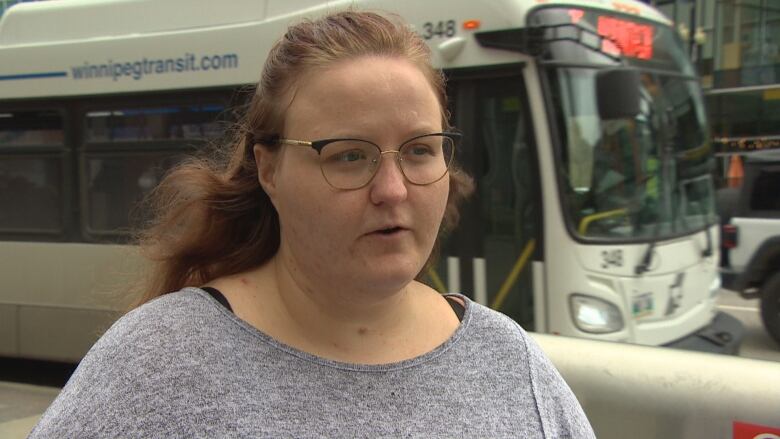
x,y
300,213
310,218
436,204
294,202
443,194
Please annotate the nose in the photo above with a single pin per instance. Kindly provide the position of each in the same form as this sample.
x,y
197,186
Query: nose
x,y
389,183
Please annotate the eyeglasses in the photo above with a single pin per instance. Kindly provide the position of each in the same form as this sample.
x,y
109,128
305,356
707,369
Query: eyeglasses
x,y
353,163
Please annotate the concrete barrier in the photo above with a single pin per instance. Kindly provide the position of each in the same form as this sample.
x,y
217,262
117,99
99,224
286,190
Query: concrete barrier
x,y
648,392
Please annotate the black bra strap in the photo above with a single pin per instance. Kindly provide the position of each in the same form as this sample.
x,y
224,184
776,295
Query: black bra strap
x,y
456,306
216,294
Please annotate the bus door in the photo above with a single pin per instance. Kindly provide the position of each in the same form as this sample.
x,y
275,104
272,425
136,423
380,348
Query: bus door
x,y
490,255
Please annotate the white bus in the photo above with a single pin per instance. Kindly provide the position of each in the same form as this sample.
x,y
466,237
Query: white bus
x,y
583,128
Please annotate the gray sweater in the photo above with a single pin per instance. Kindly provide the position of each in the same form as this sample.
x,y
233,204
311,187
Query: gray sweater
x,y
184,366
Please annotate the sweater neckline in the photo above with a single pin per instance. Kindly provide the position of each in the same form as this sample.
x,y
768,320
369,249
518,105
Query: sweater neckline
x,y
335,364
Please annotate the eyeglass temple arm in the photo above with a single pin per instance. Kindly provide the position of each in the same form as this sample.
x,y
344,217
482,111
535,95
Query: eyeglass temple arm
x,y
276,140
294,142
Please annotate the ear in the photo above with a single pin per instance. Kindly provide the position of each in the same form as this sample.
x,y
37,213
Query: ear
x,y
266,162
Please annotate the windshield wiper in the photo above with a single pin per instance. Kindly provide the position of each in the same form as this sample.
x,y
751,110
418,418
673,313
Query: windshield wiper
x,y
644,265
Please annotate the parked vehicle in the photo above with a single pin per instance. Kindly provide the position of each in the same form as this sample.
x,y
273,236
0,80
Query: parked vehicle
x,y
750,217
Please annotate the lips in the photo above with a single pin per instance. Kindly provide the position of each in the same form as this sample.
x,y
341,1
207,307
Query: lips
x,y
388,230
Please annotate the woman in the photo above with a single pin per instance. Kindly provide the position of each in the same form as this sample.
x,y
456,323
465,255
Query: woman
x,y
309,320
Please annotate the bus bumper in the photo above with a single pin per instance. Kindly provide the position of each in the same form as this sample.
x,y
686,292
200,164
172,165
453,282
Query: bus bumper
x,y
723,336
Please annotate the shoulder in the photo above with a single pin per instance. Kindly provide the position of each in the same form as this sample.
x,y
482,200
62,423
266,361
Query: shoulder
x,y
492,327
171,305
168,326
169,315
494,336
142,354
510,346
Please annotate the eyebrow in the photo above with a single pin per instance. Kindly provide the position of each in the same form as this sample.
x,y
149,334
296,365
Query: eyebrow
x,y
361,136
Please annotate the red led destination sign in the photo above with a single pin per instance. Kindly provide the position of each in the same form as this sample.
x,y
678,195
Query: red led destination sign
x,y
626,37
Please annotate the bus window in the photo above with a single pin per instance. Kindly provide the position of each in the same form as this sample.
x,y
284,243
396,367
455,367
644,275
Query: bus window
x,y
159,123
30,128
117,183
633,178
30,196
128,150
31,172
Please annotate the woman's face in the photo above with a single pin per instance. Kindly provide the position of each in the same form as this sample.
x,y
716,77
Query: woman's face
x,y
378,237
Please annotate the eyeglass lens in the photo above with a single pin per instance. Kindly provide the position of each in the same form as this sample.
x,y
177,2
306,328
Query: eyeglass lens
x,y
350,164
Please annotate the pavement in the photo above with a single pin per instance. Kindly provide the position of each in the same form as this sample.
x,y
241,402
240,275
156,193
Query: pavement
x,y
21,405
757,343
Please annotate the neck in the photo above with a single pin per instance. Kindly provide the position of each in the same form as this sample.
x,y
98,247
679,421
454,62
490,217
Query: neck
x,y
342,322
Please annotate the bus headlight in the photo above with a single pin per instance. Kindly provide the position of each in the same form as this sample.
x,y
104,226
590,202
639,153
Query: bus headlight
x,y
595,315
715,286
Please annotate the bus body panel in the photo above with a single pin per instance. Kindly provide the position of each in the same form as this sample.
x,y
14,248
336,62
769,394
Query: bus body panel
x,y
58,298
31,24
83,275
123,59
26,24
229,54
668,256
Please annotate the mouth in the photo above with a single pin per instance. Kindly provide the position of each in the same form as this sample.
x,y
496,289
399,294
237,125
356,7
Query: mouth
x,y
389,231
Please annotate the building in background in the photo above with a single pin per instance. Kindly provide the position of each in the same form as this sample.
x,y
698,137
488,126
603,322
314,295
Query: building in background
x,y
735,45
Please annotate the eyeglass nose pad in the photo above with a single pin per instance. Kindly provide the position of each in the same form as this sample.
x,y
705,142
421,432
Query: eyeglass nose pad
x,y
375,163
398,160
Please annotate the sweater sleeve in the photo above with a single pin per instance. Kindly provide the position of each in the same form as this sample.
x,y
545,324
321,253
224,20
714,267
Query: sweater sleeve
x,y
561,414
114,385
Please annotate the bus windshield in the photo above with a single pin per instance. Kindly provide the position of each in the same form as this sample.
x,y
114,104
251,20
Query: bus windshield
x,y
646,177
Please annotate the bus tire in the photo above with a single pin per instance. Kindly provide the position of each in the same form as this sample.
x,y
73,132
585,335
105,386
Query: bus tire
x,y
770,306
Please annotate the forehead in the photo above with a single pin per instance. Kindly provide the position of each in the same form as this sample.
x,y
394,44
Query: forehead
x,y
364,94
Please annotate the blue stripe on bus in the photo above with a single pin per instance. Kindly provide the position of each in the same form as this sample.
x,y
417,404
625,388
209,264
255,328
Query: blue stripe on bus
x,y
33,76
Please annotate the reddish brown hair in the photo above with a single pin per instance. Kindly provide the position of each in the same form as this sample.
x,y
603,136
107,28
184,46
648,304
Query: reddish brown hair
x,y
211,218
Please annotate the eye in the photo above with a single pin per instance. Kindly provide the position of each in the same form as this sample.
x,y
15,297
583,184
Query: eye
x,y
348,153
352,155
420,149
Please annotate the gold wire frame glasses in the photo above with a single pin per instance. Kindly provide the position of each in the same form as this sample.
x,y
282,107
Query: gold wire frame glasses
x,y
352,163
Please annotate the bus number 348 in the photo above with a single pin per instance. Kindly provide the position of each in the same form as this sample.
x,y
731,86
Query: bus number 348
x,y
612,258
439,29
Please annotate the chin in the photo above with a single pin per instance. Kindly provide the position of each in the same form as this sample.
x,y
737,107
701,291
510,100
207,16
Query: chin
x,y
394,273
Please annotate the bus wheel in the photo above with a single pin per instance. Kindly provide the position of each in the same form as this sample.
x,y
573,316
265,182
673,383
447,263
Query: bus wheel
x,y
770,306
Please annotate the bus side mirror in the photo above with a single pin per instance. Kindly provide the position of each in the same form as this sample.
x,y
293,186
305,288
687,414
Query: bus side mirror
x,y
617,91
